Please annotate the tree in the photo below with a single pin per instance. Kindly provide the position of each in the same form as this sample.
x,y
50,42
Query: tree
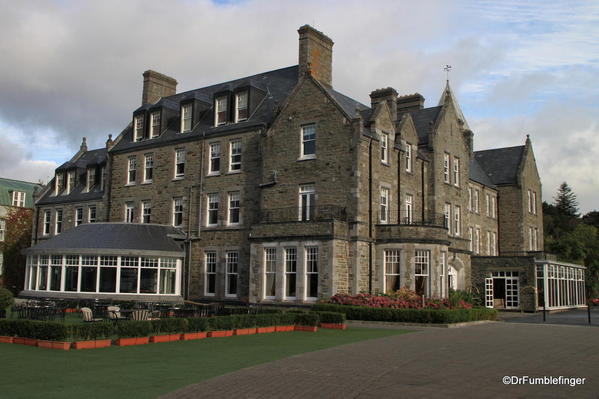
x,y
566,202
18,237
591,219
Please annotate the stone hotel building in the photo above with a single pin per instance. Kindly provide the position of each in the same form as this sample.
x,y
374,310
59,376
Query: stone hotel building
x,y
277,188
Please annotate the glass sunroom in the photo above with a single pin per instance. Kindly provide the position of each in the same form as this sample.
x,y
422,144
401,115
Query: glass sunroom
x,y
560,285
107,260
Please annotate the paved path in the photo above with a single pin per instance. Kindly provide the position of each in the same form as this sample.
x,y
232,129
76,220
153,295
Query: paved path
x,y
430,363
572,317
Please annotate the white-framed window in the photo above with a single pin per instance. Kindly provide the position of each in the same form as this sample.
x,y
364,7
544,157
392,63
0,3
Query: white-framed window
x,y
536,241
129,208
241,106
477,241
409,215
177,211
530,201
422,262
308,144
91,214
384,206
70,181
221,111
270,272
534,202
475,206
443,283
47,222
456,171
446,177
179,163
392,276
471,238
488,243
493,243
384,148
2,229
58,222
233,216
210,276
213,205
138,127
307,195
530,239
457,222
312,272
146,212
18,198
131,170
290,273
90,180
155,126
232,277
148,167
470,198
186,114
214,168
235,155
408,157
447,217
493,207
58,183
78,216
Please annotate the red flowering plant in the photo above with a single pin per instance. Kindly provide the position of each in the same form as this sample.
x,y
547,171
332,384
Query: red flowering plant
x,y
595,301
401,299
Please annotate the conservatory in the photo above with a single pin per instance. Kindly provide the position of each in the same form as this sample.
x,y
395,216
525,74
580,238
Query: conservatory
x,y
560,285
107,260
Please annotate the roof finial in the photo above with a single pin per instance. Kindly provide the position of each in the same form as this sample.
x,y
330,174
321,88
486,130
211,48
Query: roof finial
x,y
83,145
447,69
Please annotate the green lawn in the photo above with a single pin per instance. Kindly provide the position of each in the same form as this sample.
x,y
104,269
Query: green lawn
x,y
148,371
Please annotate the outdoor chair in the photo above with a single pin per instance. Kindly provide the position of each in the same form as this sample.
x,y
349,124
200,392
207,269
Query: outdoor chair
x,y
114,313
140,314
88,315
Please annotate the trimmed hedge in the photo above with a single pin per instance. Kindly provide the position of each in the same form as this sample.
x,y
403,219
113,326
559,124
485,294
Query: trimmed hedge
x,y
331,317
170,325
46,330
91,331
307,319
436,316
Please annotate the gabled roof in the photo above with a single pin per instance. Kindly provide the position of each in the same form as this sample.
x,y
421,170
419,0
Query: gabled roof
x,y
276,86
501,164
348,104
478,175
424,120
89,158
102,238
448,95
7,186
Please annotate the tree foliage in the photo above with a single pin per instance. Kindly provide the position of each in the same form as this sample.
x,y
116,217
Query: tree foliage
x,y
18,237
566,202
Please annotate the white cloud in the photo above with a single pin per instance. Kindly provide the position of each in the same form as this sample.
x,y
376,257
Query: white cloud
x,y
16,164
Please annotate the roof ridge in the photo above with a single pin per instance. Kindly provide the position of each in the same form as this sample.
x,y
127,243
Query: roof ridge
x,y
19,181
501,148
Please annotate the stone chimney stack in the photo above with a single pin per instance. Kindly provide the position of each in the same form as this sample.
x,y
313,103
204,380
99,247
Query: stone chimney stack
x,y
410,102
157,85
389,95
109,142
83,147
316,55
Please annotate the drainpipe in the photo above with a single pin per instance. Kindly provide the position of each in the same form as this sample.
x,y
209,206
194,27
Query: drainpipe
x,y
399,187
422,189
498,229
370,216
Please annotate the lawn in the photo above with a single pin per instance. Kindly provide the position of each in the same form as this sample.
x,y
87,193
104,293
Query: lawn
x,y
148,371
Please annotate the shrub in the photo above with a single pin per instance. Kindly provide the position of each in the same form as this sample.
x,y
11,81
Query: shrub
x,y
90,331
287,318
6,299
267,320
133,328
197,324
170,325
331,317
221,323
45,330
307,319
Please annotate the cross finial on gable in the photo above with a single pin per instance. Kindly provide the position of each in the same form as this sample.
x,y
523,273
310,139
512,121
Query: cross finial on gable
x,y
447,69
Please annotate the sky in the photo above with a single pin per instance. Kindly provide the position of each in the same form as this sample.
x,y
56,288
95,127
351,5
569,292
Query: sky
x,y
71,69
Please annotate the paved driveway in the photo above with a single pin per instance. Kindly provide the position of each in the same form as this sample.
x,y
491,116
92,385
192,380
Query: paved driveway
x,y
465,362
570,317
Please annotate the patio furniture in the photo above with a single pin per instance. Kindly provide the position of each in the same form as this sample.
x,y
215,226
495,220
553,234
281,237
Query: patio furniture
x,y
114,313
88,316
140,314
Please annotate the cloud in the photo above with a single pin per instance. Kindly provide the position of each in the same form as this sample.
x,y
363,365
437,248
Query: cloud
x,y
15,163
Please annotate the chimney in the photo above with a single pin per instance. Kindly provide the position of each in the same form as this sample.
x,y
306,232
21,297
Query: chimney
x,y
157,85
387,94
410,102
316,55
83,147
109,142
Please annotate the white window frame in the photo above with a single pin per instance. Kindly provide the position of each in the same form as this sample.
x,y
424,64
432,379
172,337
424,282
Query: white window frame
x,y
384,137
233,201
447,216
270,269
422,261
446,176
215,155
131,170
18,198
457,220
408,157
391,257
477,241
235,149
470,199
534,202
220,103
129,209
307,195
2,229
210,266
456,171
186,118
471,237
311,138
146,211
58,221
385,200
155,120
212,207
409,204
71,181
78,216
47,222
89,214
493,207
476,200
290,260
239,105
312,268
58,183
489,253
179,161
177,209
89,177
493,243
138,127
232,271
148,167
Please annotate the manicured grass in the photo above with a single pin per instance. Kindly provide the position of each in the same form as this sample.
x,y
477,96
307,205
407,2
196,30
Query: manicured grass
x,y
148,371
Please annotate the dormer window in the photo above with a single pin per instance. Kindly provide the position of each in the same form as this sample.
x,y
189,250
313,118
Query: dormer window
x,y
241,106
91,179
185,118
155,127
221,110
58,183
70,181
18,198
138,128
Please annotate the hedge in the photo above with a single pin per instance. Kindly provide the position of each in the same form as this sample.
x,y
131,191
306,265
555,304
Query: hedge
x,y
46,330
331,317
409,315
307,319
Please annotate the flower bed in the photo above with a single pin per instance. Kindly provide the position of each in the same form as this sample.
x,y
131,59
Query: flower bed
x,y
402,299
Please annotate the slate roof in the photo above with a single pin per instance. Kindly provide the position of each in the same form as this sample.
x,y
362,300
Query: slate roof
x,y
479,175
276,85
424,119
7,186
501,164
78,193
114,237
349,105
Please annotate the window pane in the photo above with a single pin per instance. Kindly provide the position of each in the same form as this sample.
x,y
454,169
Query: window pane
x,y
149,281
128,280
108,279
167,281
88,279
